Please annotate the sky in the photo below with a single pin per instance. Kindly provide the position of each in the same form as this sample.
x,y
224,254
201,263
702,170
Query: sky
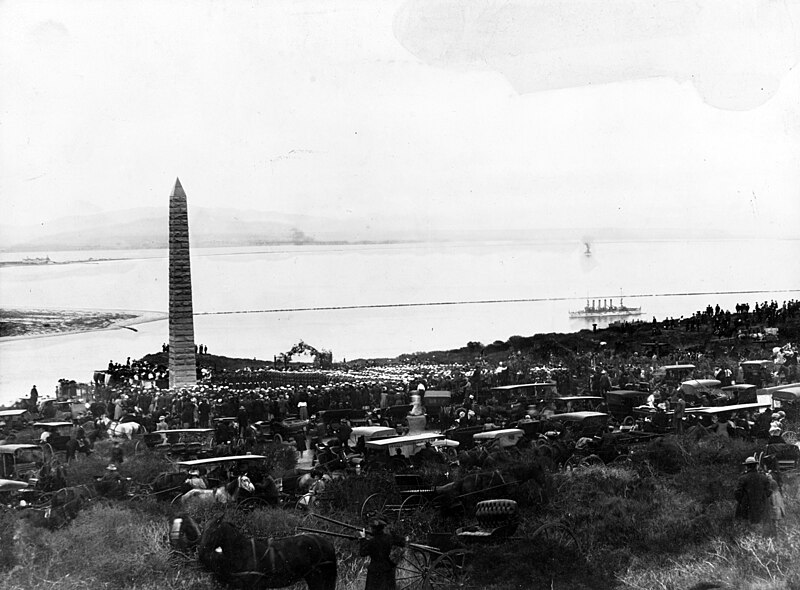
x,y
450,114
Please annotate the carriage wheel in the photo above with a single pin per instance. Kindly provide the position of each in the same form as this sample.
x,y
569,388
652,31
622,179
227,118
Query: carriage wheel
x,y
557,538
790,437
138,447
412,571
380,505
448,571
591,460
277,439
629,421
176,500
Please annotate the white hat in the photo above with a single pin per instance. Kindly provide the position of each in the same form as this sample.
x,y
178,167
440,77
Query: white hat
x,y
111,467
750,461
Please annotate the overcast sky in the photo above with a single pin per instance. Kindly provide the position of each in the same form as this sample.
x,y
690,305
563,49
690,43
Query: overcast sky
x,y
526,114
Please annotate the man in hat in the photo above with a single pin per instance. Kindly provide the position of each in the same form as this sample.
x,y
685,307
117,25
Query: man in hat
x,y
110,483
378,547
752,493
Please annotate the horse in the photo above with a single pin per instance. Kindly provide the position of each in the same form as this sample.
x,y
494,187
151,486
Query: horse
x,y
246,562
219,495
126,429
75,446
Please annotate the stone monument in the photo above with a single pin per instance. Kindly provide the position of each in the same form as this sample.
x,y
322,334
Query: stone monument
x,y
182,362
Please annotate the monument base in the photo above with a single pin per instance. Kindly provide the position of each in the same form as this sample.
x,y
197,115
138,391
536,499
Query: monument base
x,y
416,424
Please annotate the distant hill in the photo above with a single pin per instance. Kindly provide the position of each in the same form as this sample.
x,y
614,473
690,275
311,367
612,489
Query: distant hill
x,y
147,227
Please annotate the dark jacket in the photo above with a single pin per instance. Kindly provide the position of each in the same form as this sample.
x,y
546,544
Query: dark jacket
x,y
380,572
752,493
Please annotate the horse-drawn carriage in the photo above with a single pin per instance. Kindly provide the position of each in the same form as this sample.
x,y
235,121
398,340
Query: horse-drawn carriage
x,y
443,561
241,480
399,453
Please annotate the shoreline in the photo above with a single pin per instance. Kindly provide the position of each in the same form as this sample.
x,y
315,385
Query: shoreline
x,y
135,318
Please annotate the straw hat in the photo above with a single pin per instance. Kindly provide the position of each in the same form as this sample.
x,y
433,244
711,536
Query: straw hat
x,y
750,461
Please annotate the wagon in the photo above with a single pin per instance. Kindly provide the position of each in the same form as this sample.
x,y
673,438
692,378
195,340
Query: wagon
x,y
442,563
223,469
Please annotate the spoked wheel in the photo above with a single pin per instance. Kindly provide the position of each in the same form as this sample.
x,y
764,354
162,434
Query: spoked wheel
x,y
556,541
591,460
789,437
381,505
448,571
431,570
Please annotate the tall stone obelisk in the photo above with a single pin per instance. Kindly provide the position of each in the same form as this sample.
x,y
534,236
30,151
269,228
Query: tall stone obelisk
x,y
182,367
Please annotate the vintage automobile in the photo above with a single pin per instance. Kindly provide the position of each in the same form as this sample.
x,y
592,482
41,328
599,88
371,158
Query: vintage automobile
x,y
758,373
788,400
279,431
396,453
531,392
464,434
434,400
672,375
562,405
370,433
71,409
17,419
583,423
20,462
621,403
742,393
59,433
704,392
505,437
332,418
184,442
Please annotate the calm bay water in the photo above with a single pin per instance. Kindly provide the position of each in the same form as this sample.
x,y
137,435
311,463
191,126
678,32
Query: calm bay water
x,y
653,275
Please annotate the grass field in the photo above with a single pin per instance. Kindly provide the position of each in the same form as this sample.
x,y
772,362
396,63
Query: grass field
x,y
663,521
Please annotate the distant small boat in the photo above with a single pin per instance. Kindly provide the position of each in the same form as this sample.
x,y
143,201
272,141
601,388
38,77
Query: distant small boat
x,y
588,249
606,309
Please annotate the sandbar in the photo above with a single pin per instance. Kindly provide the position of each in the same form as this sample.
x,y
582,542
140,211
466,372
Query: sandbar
x,y
23,323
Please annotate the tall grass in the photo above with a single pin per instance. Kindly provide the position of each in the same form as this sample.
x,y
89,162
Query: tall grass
x,y
663,521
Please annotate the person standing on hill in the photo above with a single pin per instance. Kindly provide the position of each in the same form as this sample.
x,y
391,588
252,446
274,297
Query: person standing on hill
x,y
378,547
752,493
